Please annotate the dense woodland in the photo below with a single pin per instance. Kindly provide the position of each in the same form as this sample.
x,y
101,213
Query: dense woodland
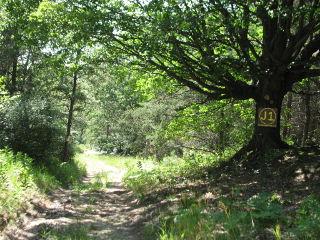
x,y
159,79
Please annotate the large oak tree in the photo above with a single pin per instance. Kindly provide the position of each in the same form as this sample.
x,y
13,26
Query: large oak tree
x,y
223,48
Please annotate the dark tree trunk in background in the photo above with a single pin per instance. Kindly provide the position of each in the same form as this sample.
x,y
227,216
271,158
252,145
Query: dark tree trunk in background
x,y
286,129
65,154
306,127
13,84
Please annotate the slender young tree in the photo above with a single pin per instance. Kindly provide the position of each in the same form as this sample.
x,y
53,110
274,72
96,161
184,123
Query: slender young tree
x,y
67,140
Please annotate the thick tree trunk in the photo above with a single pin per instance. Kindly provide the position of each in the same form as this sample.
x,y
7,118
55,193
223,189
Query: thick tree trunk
x,y
267,123
266,134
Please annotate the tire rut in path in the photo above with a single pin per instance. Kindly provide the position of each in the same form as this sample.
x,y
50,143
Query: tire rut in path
x,y
111,213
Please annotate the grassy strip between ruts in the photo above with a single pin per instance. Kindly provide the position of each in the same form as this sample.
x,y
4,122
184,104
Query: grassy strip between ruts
x,y
120,162
75,231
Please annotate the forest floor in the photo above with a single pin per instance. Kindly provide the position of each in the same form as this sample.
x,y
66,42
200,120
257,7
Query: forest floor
x,y
106,213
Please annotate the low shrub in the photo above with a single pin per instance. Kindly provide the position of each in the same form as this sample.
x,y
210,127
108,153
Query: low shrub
x,y
187,223
266,209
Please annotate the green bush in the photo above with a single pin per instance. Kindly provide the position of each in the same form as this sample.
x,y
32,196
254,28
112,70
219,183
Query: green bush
x,y
194,221
261,217
32,126
188,223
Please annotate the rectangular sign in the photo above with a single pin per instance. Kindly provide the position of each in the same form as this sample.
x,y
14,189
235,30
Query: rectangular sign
x,y
267,117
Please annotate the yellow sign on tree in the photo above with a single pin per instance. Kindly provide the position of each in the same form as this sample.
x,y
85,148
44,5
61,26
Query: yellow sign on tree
x,y
267,117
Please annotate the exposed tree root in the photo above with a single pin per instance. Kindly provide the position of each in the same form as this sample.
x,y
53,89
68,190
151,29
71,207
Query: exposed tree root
x,y
251,156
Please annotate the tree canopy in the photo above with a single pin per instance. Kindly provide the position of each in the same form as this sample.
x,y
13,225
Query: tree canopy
x,y
222,49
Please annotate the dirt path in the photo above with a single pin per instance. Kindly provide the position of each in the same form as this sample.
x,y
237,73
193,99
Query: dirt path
x,y
111,213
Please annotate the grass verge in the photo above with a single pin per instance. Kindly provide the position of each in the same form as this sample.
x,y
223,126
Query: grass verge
x,y
21,182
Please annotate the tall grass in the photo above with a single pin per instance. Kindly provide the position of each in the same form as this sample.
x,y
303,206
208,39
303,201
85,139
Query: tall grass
x,y
67,173
16,183
21,181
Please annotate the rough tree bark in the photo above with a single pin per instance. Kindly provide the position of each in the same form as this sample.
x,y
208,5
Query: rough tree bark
x,y
270,95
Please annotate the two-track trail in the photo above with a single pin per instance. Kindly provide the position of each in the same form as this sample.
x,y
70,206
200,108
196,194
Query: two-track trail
x,y
111,213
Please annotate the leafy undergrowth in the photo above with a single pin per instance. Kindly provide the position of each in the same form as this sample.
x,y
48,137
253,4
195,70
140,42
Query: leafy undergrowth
x,y
21,182
279,199
147,176
66,173
262,216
